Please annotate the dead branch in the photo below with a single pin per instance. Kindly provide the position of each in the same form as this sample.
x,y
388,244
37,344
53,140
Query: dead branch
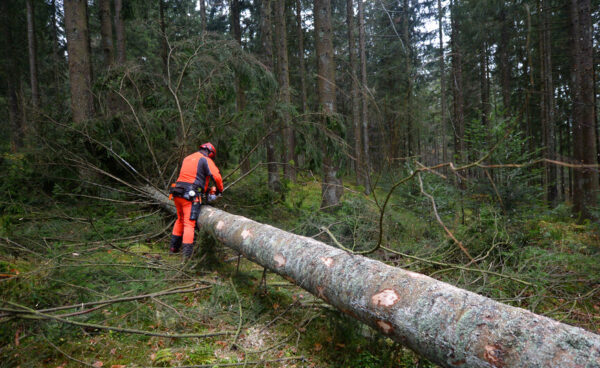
x,y
28,311
439,219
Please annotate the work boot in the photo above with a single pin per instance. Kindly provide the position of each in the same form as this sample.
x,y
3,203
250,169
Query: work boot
x,y
175,244
186,250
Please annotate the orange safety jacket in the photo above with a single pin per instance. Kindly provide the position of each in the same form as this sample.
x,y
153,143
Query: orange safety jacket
x,y
196,171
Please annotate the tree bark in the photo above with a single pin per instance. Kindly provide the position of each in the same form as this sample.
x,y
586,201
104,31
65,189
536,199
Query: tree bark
x,y
283,77
408,75
443,107
451,327
273,180
547,103
484,88
106,32
584,145
80,65
240,95
504,61
164,52
13,77
55,56
354,99
300,33
203,15
331,187
120,32
32,48
366,158
458,118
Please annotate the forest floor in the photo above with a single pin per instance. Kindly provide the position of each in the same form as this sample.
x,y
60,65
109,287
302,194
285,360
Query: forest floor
x,y
53,254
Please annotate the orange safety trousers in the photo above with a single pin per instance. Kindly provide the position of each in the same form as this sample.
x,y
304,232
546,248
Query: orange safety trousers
x,y
183,225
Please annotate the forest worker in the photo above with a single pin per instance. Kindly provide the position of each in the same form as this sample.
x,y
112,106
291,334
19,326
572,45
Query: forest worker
x,y
196,171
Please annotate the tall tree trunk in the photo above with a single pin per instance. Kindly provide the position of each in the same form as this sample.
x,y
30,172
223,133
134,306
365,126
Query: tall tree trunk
x,y
240,95
458,118
408,73
106,32
203,15
33,71
120,32
332,185
11,70
547,103
484,88
442,82
164,48
449,326
283,77
358,165
586,179
80,65
267,48
55,56
562,193
300,33
504,61
366,160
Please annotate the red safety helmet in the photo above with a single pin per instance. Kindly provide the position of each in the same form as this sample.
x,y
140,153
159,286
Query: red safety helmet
x,y
212,152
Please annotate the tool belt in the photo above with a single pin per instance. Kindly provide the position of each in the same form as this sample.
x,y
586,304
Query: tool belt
x,y
181,189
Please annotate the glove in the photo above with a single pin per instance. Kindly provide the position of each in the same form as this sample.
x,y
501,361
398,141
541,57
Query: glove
x,y
212,198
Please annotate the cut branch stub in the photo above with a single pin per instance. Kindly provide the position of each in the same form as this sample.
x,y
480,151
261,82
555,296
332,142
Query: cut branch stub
x,y
449,326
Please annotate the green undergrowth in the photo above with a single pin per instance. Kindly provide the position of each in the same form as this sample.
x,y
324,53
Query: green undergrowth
x,y
82,250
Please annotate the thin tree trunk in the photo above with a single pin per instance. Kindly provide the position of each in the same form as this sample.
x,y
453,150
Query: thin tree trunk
x,y
283,77
33,70
301,57
164,48
447,325
442,82
366,160
106,32
562,194
504,62
358,164
484,89
240,95
547,105
273,180
203,15
55,44
120,32
586,180
458,99
408,74
12,78
80,65
332,185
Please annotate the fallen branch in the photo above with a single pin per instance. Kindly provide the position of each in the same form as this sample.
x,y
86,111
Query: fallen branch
x,y
439,219
103,303
40,315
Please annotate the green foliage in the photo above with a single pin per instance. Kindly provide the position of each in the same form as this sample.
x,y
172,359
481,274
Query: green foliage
x,y
512,185
18,182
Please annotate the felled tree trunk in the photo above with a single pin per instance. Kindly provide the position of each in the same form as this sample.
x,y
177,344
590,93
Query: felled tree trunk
x,y
447,325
